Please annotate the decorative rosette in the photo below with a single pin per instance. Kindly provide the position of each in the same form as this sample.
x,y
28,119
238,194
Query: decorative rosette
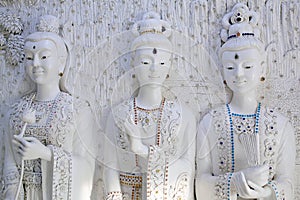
x,y
240,22
48,23
11,23
29,116
11,40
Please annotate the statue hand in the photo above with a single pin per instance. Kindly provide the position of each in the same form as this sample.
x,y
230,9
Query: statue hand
x,y
137,146
132,130
258,175
248,189
31,148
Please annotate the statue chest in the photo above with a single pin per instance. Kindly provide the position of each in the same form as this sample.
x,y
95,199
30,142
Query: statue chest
x,y
54,123
244,140
161,127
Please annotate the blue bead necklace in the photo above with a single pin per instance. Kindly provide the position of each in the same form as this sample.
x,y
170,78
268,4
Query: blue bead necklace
x,y
230,114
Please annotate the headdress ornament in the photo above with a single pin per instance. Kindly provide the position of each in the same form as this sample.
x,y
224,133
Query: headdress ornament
x,y
151,23
240,22
48,27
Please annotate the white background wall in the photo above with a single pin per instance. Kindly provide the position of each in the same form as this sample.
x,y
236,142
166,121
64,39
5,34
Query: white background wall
x,y
93,27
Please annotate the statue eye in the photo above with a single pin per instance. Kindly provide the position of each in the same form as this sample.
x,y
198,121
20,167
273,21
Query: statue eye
x,y
44,57
229,68
29,58
145,62
248,67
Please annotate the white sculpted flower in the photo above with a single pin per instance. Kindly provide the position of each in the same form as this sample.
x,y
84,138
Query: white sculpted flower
x,y
29,116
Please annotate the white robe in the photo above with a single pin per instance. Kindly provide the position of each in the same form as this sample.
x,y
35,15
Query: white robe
x,y
168,171
67,131
218,157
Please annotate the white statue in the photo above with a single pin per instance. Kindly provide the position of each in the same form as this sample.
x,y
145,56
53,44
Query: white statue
x,y
245,150
46,156
152,137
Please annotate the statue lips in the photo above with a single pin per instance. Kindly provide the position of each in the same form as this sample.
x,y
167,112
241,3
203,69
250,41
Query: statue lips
x,y
38,72
153,76
240,83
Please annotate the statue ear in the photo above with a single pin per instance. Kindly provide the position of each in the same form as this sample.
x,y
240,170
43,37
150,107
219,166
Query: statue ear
x,y
263,68
63,62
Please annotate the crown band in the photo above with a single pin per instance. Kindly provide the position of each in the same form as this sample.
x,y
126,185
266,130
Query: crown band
x,y
238,34
151,31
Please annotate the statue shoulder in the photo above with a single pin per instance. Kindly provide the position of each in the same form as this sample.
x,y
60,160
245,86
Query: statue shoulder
x,y
80,106
271,114
215,114
123,109
187,112
20,104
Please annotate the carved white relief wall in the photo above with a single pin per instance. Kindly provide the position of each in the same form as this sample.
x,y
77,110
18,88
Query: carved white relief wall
x,y
98,32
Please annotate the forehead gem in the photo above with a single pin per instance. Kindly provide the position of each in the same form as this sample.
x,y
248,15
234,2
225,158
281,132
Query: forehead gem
x,y
33,47
236,56
154,51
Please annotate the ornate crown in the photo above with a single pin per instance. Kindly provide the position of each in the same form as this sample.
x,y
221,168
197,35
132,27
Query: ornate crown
x,y
240,22
151,23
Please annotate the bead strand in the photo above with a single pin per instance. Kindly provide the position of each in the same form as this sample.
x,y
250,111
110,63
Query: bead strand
x,y
231,137
161,107
230,114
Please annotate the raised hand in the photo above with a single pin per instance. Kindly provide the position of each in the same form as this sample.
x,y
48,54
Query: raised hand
x,y
31,148
136,144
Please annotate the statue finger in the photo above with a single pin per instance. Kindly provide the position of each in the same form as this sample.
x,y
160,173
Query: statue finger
x,y
254,186
17,143
20,140
21,152
30,139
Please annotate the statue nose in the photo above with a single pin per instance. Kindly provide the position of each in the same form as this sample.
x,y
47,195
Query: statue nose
x,y
36,61
153,67
239,71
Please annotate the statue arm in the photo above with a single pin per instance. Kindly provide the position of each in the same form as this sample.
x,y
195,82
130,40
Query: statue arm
x,y
84,150
111,179
188,158
208,185
11,174
72,164
181,168
282,184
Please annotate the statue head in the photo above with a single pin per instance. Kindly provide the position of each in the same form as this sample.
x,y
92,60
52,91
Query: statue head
x,y
46,49
152,50
243,55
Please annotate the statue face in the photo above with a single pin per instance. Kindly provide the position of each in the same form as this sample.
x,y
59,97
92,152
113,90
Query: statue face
x,y
242,69
151,65
42,62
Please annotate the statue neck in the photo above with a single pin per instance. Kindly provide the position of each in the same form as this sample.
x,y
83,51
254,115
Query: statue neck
x,y
46,92
149,97
244,103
